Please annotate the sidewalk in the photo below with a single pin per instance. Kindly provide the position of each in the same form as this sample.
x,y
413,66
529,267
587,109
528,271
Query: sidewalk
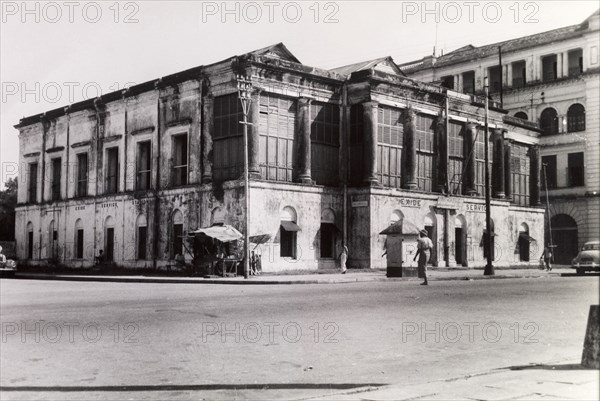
x,y
350,277
563,380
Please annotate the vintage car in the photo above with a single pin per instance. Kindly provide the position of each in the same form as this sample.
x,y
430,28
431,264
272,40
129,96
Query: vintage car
x,y
588,258
8,268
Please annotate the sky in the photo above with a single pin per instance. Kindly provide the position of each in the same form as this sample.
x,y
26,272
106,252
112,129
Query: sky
x,y
56,53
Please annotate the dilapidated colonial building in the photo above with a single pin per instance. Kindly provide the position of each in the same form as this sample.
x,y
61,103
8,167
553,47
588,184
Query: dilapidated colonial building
x,y
552,79
335,156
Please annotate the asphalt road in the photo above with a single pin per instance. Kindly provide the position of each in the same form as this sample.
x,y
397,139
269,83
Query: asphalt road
x,y
76,340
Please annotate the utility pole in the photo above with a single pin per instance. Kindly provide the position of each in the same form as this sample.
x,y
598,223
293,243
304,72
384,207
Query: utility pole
x,y
548,206
244,86
489,268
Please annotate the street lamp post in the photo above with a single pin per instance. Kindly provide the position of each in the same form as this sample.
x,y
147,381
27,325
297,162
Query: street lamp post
x,y
244,87
489,268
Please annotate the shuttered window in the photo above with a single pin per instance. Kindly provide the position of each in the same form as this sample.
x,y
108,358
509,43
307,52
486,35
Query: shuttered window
x,y
456,156
424,142
325,143
389,146
276,137
228,143
520,171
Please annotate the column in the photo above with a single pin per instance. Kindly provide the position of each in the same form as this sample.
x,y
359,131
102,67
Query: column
x,y
370,142
560,71
469,179
303,126
207,138
410,150
507,172
253,137
534,175
441,154
509,76
498,164
565,63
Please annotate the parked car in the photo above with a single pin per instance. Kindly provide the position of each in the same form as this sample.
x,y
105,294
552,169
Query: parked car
x,y
8,268
588,258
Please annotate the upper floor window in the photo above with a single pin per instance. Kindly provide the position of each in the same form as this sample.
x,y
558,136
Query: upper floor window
x,y
468,82
82,174
180,160
576,118
495,78
112,171
575,170
33,183
448,81
575,62
549,121
549,71
56,178
519,74
522,115
143,166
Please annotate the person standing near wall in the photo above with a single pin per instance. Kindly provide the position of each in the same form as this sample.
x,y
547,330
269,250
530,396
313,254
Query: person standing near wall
x,y
344,259
424,247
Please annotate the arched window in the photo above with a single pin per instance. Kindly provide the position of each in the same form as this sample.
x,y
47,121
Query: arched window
x,y
522,115
460,240
549,121
177,239
30,240
576,118
79,244
288,230
109,239
328,234
141,237
523,242
217,216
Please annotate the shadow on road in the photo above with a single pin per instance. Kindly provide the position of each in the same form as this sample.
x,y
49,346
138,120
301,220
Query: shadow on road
x,y
568,366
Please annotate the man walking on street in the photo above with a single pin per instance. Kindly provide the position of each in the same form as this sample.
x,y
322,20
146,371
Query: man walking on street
x,y
424,247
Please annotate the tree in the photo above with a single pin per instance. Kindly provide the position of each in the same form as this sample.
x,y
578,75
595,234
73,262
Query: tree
x,y
8,201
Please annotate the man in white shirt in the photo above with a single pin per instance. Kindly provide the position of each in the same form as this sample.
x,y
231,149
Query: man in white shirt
x,y
424,247
2,258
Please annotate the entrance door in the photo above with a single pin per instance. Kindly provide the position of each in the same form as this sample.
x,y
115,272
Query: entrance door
x,y
458,246
110,244
565,237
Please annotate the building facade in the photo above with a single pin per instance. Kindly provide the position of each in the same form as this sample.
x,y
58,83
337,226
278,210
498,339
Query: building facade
x,y
553,79
335,156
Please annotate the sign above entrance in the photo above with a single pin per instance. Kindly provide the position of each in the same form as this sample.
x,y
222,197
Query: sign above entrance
x,y
474,207
449,202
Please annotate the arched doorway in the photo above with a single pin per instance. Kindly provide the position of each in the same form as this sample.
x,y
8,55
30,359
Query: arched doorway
x,y
109,239
523,242
565,237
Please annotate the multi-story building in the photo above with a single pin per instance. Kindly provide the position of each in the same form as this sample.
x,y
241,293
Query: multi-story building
x,y
334,157
551,78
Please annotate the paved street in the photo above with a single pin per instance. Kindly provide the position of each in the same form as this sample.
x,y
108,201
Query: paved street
x,y
86,340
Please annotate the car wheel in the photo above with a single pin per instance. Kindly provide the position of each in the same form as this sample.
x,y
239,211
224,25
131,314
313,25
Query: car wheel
x,y
580,272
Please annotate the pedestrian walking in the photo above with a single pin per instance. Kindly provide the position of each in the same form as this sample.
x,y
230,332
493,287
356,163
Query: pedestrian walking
x,y
344,259
424,247
547,257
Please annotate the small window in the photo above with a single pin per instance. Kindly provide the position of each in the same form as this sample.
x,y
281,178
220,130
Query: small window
x,y
112,171
33,183
56,178
177,239
448,82
180,160
82,174
468,82
575,62
143,166
522,115
142,237
549,172
575,171
576,118
288,232
549,121
495,78
79,239
549,71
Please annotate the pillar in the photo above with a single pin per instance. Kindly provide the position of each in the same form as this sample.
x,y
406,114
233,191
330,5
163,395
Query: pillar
x,y
253,137
303,124
560,71
370,149
207,138
441,152
509,76
507,171
410,150
470,134
534,174
498,181
565,64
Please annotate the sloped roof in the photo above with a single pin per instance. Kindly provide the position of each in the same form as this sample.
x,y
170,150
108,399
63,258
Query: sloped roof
x,y
276,51
470,52
369,65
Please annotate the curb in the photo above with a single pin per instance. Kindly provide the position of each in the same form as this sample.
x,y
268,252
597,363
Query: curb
x,y
345,280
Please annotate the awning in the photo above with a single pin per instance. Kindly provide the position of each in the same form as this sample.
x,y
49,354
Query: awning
x,y
290,226
405,227
222,233
526,237
260,239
